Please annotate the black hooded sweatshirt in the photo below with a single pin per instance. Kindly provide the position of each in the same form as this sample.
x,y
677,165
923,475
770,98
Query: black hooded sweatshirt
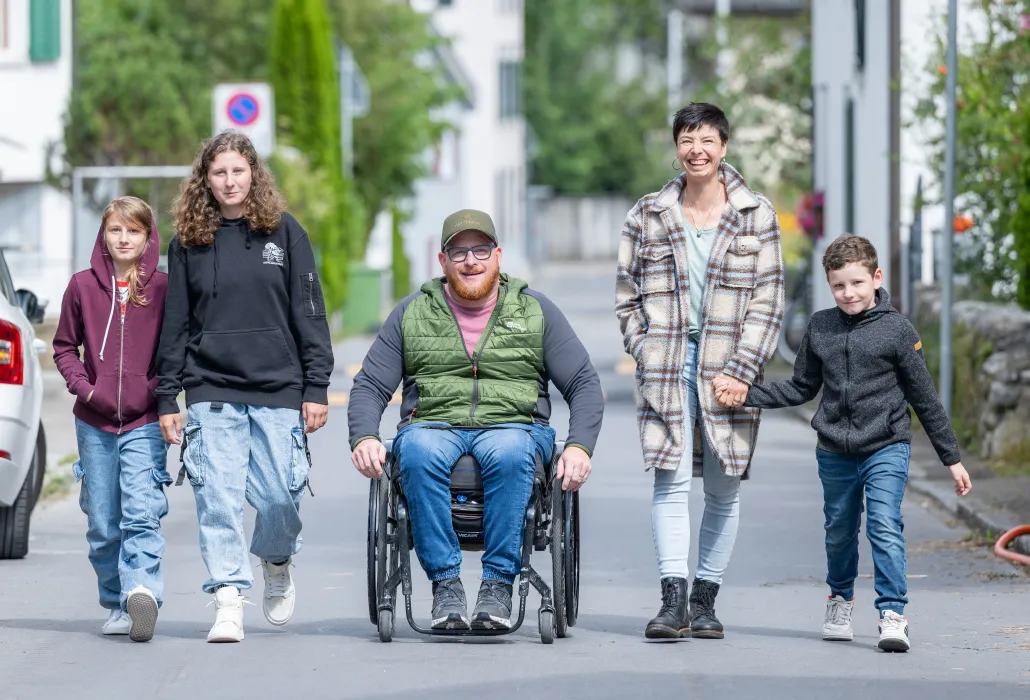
x,y
245,321
870,368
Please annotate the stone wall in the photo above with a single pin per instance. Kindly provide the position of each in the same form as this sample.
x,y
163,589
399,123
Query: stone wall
x,y
991,402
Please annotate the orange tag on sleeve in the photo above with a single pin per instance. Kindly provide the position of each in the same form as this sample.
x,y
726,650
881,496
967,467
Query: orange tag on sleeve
x,y
919,346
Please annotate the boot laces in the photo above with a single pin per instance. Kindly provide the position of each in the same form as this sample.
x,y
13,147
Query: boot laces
x,y
670,598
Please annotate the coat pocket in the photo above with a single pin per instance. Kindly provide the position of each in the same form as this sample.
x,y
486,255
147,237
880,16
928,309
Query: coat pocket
x,y
657,269
740,264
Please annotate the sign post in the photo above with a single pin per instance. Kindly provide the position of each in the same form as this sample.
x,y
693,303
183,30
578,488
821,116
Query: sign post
x,y
249,108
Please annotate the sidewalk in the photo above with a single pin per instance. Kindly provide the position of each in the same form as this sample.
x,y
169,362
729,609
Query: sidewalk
x,y
996,504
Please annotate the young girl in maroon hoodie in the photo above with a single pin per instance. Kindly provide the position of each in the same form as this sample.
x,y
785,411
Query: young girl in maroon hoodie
x,y
114,312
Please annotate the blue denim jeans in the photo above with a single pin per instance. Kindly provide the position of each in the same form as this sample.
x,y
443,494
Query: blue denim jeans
x,y
122,494
507,456
880,479
236,454
670,512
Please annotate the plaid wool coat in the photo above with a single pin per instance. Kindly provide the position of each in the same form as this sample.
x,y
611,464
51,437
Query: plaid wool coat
x,y
740,324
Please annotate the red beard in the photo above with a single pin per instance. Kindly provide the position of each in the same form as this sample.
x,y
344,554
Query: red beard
x,y
473,292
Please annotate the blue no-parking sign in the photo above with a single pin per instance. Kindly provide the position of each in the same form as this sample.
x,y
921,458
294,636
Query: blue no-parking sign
x,y
247,107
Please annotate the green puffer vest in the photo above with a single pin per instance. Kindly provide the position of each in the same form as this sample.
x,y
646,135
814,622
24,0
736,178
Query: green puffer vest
x,y
499,384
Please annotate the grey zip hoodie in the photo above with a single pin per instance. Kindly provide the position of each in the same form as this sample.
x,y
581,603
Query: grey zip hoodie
x,y
870,368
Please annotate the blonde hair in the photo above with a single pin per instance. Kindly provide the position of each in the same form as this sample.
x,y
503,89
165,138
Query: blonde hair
x,y
197,215
134,210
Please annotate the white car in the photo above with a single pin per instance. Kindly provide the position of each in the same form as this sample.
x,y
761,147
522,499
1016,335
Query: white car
x,y
22,441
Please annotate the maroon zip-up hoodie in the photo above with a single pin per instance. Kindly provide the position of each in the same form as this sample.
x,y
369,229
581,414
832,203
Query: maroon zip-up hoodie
x,y
117,363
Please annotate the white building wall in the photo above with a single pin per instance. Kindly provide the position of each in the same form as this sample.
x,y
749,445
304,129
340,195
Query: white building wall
x,y
492,152
36,225
836,78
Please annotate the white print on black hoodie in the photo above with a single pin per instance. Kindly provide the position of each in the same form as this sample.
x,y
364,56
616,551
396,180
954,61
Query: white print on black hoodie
x,y
245,321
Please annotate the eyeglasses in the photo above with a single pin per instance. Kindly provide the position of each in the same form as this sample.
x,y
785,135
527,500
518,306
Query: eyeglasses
x,y
481,252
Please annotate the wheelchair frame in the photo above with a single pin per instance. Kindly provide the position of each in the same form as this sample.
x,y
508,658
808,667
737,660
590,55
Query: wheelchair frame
x,y
551,522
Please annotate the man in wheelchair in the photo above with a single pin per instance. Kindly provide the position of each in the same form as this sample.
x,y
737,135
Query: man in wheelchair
x,y
474,352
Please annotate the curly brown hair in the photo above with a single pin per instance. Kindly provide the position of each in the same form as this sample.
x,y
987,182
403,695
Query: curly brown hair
x,y
197,215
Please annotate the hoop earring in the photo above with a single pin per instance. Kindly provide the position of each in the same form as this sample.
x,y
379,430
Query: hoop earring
x,y
676,164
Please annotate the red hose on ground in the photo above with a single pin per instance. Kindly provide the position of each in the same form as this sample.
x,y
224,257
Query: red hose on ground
x,y
1002,543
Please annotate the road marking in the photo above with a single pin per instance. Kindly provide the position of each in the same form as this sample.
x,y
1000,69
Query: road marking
x,y
342,398
626,367
352,370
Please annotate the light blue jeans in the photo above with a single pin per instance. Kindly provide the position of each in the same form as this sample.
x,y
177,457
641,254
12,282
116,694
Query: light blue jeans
x,y
236,454
507,456
122,494
670,512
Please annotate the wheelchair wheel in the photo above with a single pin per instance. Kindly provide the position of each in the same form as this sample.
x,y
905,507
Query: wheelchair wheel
x,y
571,551
387,556
385,626
546,619
558,558
372,547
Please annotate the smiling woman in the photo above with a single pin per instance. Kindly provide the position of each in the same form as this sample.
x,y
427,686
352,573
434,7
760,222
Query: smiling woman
x,y
699,299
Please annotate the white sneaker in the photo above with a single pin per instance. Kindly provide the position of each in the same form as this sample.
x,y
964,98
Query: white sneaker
x,y
228,625
893,632
117,623
141,607
837,623
280,594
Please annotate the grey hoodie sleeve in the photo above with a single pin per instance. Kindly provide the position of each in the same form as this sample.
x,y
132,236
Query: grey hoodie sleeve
x,y
799,389
380,374
920,393
568,365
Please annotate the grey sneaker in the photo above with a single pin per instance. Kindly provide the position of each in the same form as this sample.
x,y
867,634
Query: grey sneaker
x,y
837,622
450,610
493,609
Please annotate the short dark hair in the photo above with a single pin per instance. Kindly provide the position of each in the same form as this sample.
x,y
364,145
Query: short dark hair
x,y
850,249
698,114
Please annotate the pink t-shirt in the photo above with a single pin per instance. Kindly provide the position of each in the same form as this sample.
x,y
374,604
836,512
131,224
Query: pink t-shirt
x,y
471,320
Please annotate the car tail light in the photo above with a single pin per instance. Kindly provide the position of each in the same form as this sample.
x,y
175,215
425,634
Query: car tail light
x,y
4,454
12,368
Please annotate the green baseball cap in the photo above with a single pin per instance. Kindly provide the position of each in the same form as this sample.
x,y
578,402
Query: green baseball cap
x,y
467,220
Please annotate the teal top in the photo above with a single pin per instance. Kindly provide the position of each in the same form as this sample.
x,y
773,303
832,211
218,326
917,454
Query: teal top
x,y
699,251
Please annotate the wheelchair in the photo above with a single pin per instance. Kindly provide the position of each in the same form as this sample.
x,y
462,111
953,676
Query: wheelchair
x,y
551,522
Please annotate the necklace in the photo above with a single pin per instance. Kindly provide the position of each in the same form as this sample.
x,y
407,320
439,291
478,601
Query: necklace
x,y
707,216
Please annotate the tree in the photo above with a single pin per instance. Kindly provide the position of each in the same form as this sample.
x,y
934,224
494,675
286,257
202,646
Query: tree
x,y
389,41
304,75
767,96
592,133
992,155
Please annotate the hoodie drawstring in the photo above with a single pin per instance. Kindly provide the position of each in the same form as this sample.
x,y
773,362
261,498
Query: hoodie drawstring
x,y
114,292
248,237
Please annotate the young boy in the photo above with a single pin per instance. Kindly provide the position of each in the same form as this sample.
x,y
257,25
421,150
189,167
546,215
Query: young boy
x,y
868,361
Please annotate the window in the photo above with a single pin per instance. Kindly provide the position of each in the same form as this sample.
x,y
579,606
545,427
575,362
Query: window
x,y
44,30
510,89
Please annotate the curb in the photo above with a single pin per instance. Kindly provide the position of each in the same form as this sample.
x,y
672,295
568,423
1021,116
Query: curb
x,y
970,510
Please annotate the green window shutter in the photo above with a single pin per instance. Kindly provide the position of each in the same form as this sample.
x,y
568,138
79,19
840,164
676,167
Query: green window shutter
x,y
45,30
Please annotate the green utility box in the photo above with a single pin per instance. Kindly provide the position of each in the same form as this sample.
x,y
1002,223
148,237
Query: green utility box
x,y
366,299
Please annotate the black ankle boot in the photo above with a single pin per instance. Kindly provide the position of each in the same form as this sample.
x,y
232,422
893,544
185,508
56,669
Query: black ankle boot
x,y
703,622
671,621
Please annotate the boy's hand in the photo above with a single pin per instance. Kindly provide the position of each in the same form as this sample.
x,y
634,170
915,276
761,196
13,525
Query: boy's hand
x,y
730,392
962,483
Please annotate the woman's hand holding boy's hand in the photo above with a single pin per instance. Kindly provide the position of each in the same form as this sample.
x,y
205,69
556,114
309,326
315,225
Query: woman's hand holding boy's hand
x,y
962,483
729,392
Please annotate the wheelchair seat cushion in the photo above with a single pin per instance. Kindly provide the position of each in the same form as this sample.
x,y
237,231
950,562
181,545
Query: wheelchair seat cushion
x,y
467,476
